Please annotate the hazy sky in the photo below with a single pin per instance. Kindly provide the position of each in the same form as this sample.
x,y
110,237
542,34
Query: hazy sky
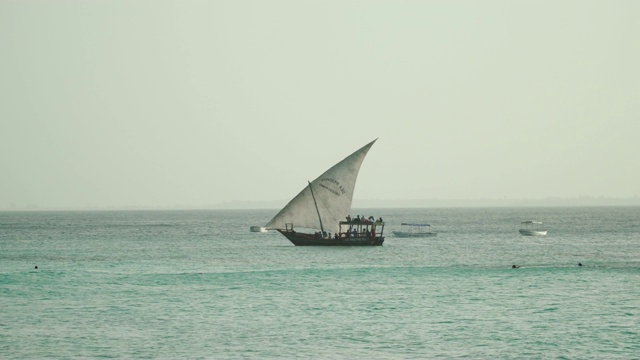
x,y
163,103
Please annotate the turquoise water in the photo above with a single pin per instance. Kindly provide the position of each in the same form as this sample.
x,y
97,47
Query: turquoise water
x,y
198,284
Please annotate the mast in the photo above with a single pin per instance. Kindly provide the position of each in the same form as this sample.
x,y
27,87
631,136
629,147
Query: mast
x,y
317,210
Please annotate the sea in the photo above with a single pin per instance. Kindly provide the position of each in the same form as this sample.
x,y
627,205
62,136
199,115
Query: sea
x,y
198,284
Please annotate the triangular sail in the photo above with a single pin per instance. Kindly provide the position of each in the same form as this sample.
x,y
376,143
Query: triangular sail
x,y
333,191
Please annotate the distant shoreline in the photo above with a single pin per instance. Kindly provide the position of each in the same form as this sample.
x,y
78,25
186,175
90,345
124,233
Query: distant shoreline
x,y
361,204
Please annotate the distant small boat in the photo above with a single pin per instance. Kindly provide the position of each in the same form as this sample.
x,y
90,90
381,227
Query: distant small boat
x,y
532,228
414,230
258,229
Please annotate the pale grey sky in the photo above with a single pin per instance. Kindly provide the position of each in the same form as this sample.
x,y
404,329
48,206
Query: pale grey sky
x,y
192,103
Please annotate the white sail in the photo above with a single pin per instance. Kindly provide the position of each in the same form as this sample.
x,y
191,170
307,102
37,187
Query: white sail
x,y
333,192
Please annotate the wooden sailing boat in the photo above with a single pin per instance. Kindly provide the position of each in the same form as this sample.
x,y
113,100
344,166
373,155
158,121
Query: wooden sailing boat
x,y
320,212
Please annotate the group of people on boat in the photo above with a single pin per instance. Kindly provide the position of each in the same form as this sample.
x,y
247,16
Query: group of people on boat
x,y
363,219
366,233
322,234
361,227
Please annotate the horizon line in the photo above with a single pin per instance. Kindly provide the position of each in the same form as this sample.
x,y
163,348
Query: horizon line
x,y
365,203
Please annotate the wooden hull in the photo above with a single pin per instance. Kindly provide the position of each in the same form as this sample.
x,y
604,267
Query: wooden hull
x,y
302,239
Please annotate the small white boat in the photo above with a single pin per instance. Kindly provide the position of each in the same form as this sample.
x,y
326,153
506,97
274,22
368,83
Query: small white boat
x,y
532,228
414,230
258,229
